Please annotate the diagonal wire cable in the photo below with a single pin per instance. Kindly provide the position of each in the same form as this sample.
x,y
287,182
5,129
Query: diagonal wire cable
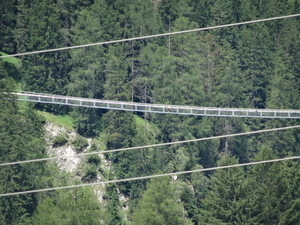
x,y
153,145
151,176
151,36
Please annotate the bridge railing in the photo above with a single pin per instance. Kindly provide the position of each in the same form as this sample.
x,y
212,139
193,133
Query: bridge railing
x,y
157,108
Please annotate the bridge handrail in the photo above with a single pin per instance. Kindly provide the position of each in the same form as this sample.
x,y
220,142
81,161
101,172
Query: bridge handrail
x,y
44,95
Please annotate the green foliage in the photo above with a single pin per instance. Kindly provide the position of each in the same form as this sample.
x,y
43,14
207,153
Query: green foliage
x,y
13,60
21,138
193,194
283,93
271,191
119,133
7,20
72,206
159,205
90,172
80,143
92,167
94,159
58,120
85,121
59,140
254,66
12,65
7,84
113,205
224,202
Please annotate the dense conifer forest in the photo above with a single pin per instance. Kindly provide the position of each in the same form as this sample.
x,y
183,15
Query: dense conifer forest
x,y
252,66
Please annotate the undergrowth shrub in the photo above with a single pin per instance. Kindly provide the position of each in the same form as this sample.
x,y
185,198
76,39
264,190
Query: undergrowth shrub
x,y
80,143
59,140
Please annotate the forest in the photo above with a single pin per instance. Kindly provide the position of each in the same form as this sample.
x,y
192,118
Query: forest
x,y
248,66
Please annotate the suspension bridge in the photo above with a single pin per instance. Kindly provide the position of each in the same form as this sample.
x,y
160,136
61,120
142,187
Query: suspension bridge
x,y
156,108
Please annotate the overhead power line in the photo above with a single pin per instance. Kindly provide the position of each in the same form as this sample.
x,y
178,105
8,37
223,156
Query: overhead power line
x,y
153,145
151,36
151,176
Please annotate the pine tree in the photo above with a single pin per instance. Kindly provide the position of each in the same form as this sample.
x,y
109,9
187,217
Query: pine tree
x,y
283,92
119,133
194,190
39,28
73,206
21,138
201,12
224,202
291,202
116,75
268,190
87,73
20,31
159,205
113,205
7,24
255,63
226,12
226,91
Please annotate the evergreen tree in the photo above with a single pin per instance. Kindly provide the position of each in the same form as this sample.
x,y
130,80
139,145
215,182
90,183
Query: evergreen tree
x,y
283,92
7,24
38,22
21,138
119,133
194,191
227,92
113,205
269,190
116,75
21,34
201,12
226,12
74,206
87,74
225,200
291,202
159,205
255,47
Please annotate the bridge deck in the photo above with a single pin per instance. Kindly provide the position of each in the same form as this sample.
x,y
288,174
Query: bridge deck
x,y
157,108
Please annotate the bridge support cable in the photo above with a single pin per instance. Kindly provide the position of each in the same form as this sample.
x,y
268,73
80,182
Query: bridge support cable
x,y
151,146
152,176
152,36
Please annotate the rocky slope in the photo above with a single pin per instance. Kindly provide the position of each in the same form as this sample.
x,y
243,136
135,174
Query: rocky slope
x,y
75,165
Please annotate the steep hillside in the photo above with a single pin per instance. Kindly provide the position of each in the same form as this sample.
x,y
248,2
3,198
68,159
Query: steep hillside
x,y
248,66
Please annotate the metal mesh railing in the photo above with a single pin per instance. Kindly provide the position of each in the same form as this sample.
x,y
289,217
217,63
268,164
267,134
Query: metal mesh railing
x,y
157,108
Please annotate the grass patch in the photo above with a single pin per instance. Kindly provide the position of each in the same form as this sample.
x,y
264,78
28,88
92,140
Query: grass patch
x,y
23,105
13,60
140,124
63,120
18,86
12,65
99,141
138,121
